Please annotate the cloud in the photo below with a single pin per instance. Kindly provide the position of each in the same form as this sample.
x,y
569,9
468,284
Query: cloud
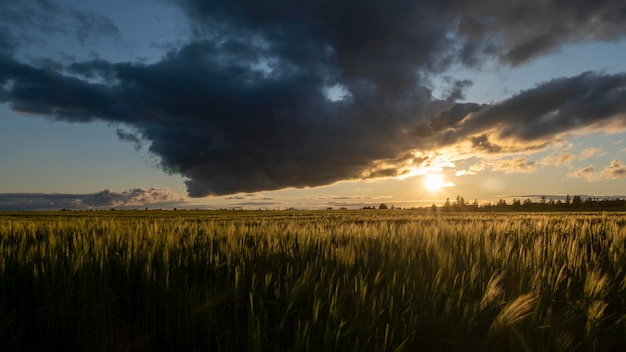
x,y
557,160
508,166
472,170
515,165
30,18
587,173
568,158
105,199
235,198
129,137
244,105
134,197
588,153
524,29
8,43
615,170
535,118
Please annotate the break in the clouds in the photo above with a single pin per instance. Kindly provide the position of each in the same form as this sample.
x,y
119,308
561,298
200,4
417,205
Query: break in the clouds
x,y
101,200
268,95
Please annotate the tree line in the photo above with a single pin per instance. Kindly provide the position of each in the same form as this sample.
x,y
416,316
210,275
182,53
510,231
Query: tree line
x,y
569,203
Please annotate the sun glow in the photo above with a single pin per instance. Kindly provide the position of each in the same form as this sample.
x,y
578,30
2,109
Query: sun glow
x,y
435,182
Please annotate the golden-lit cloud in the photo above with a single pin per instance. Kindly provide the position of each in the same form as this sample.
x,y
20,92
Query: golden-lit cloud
x,y
508,166
515,165
588,153
558,160
587,173
615,170
416,163
472,170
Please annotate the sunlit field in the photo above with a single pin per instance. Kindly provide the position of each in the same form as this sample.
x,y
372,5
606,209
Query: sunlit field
x,y
377,280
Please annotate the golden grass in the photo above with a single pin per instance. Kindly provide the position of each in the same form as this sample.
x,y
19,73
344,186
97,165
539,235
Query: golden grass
x,y
312,281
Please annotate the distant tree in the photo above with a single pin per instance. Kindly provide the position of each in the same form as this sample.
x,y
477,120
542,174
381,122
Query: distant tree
x,y
447,205
589,203
577,202
382,206
501,203
433,208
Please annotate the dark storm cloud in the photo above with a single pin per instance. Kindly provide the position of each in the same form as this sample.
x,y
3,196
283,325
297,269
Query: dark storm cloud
x,y
129,137
519,30
104,199
447,119
7,42
25,17
244,105
227,126
534,116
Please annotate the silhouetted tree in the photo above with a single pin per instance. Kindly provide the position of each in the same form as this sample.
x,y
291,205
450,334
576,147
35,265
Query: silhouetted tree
x,y
568,203
382,206
447,205
577,202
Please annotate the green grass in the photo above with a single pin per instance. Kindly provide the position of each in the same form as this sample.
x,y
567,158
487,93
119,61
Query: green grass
x,y
312,281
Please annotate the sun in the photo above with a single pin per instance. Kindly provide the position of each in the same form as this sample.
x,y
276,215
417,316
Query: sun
x,y
435,182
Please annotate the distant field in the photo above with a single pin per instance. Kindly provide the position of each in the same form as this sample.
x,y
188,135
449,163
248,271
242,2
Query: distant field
x,y
312,281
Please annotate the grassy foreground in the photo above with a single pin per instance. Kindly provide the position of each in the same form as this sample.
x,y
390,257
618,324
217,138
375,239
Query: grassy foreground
x,y
312,281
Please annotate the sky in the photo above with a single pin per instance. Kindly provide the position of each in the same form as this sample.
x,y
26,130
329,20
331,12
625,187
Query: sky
x,y
308,104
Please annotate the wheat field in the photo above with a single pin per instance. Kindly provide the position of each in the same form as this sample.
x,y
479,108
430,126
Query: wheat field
x,y
312,281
